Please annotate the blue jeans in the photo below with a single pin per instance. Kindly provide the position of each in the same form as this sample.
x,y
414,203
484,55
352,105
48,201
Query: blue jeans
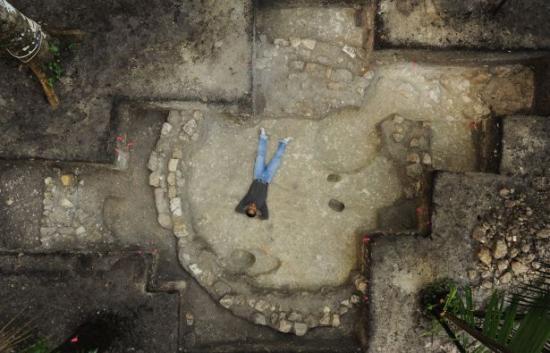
x,y
262,172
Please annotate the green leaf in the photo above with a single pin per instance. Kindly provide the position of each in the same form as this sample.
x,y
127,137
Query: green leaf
x,y
38,347
492,316
469,318
480,349
508,322
534,330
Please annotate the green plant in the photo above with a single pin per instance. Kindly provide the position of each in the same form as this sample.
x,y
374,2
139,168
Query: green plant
x,y
38,347
518,322
55,70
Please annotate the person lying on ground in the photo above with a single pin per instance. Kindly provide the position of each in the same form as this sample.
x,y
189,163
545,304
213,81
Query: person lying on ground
x,y
255,201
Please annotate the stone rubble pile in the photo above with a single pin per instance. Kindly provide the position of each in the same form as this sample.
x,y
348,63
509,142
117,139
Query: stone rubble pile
x,y
63,221
317,76
513,239
407,142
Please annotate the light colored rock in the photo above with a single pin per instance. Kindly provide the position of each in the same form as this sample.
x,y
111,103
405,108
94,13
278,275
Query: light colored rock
x,y
300,328
259,319
280,42
190,127
295,42
543,233
504,192
262,306
155,179
198,115
355,299
519,268
398,137
68,180
80,230
284,326
174,117
172,191
195,269
66,203
161,202
335,322
179,227
175,207
484,255
398,119
177,153
309,43
165,220
505,278
350,51
189,319
500,249
362,287
48,181
325,320
173,165
294,316
166,129
426,159
346,303
502,265
153,163
413,158
171,179
227,301
222,288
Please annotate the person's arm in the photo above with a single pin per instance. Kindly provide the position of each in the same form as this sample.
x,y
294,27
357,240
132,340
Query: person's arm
x,y
242,205
264,213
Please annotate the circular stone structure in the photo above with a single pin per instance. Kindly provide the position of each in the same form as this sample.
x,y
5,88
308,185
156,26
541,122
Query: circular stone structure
x,y
297,270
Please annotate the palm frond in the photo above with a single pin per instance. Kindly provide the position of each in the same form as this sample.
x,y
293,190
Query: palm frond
x,y
518,322
534,330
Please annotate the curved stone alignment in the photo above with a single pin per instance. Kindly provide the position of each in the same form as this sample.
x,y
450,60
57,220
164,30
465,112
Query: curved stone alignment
x,y
273,272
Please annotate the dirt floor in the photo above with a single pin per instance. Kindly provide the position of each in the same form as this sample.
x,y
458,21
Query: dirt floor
x,y
117,211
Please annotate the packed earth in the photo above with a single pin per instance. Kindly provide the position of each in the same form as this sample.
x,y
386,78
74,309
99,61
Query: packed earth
x,y
419,150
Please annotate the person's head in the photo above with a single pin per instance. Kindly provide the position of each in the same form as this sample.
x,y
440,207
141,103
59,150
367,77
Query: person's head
x,y
251,210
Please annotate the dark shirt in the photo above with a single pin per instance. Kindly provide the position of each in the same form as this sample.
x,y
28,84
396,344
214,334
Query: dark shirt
x,y
257,193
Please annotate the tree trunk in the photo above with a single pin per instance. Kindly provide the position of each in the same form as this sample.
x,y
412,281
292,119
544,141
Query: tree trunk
x,y
25,40
22,37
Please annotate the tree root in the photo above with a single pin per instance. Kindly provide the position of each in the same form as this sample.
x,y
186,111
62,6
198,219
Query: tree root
x,y
43,79
76,34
